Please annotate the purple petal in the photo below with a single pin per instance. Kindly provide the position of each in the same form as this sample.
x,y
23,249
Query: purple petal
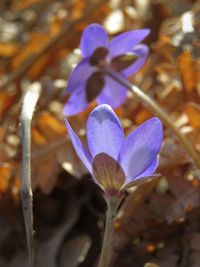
x,y
141,148
149,171
76,103
79,148
142,52
113,94
126,41
94,36
143,177
104,132
79,75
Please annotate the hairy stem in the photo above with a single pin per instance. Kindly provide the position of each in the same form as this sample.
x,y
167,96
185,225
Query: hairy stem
x,y
106,252
28,106
144,98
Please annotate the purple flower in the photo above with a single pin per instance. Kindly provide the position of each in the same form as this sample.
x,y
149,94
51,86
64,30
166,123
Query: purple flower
x,y
124,54
116,162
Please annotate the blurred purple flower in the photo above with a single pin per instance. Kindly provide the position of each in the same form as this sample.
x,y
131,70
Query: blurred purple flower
x,y
116,162
88,80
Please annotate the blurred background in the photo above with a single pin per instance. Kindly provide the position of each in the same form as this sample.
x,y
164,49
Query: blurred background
x,y
158,222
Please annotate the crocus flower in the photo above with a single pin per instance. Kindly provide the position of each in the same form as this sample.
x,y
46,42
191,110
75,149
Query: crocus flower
x,y
115,162
123,54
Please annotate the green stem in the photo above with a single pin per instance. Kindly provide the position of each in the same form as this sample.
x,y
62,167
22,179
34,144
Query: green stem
x,y
106,252
158,111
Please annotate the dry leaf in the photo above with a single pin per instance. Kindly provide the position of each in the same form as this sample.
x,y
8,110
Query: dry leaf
x,y
193,112
8,49
187,72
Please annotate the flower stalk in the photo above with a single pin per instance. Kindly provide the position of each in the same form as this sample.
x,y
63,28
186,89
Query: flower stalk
x,y
158,111
106,252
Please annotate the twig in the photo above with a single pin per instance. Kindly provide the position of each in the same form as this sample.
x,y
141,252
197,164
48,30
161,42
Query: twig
x,y
186,250
28,107
144,98
62,34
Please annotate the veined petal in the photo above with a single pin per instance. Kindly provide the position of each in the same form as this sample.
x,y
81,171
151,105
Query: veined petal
x,y
79,148
94,36
142,52
79,75
77,102
149,171
126,41
140,148
108,173
94,85
104,132
146,176
113,94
